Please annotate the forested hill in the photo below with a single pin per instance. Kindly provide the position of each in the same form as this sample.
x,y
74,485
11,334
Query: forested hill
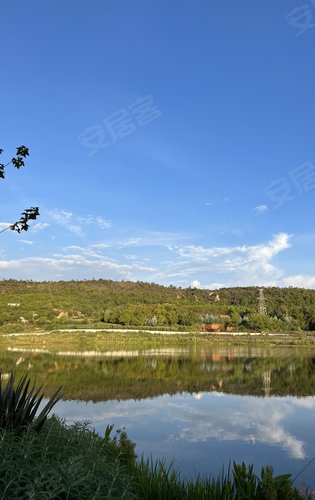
x,y
96,302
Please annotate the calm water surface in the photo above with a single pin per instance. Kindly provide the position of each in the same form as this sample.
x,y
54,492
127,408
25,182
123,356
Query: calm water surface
x,y
199,407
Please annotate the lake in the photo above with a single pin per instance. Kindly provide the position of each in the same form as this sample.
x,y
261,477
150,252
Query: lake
x,y
198,406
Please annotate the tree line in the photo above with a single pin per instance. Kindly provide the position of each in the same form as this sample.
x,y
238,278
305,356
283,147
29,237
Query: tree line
x,y
126,303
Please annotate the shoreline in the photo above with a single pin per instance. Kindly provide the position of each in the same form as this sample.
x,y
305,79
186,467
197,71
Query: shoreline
x,y
134,330
96,338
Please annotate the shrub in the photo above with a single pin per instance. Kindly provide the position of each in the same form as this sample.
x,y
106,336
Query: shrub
x,y
18,405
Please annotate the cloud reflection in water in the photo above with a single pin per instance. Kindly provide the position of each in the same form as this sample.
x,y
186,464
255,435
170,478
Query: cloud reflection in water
x,y
200,418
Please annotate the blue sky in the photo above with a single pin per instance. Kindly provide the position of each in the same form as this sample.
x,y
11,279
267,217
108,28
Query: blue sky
x,y
170,141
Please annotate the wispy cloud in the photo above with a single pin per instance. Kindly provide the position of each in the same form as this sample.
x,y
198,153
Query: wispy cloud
x,y
72,266
97,221
131,242
65,219
168,263
261,209
100,246
247,263
27,242
75,223
154,238
39,226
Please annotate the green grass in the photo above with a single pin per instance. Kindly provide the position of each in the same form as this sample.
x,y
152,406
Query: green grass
x,y
73,462
63,462
157,481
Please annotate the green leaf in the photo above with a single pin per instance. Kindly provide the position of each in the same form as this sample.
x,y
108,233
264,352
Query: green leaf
x,y
18,405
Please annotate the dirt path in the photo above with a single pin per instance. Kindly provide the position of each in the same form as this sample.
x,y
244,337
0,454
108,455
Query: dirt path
x,y
130,330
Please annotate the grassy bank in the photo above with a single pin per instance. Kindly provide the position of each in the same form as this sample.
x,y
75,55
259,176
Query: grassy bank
x,y
75,463
102,339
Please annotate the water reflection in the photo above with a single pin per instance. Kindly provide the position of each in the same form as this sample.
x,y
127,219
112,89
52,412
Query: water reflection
x,y
236,419
140,373
201,407
203,434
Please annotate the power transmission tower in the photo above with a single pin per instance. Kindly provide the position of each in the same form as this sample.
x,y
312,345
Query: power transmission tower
x,y
266,377
262,309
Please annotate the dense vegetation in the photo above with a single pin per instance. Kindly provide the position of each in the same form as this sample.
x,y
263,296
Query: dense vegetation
x,y
30,305
62,462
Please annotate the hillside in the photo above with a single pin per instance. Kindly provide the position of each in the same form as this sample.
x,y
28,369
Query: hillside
x,y
29,305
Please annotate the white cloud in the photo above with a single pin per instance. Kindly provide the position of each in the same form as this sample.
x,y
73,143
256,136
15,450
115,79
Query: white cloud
x,y
65,219
100,246
132,242
153,238
207,267
75,223
91,220
87,251
195,284
4,225
60,216
249,264
131,256
39,226
261,209
27,242
102,223
71,266
208,286
76,229
299,280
